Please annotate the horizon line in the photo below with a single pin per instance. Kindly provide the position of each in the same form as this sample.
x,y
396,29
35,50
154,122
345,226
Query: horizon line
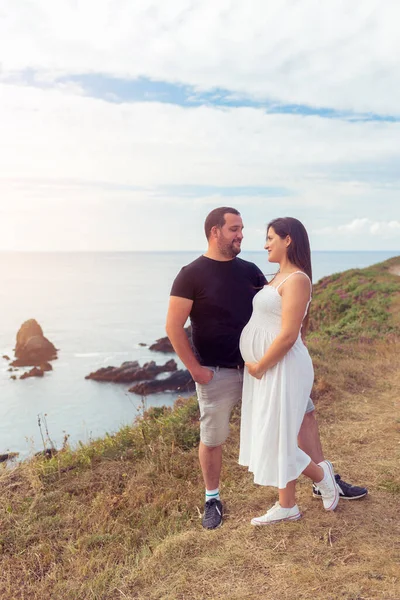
x,y
3,251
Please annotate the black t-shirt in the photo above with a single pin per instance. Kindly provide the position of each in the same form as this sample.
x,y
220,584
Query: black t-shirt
x,y
222,294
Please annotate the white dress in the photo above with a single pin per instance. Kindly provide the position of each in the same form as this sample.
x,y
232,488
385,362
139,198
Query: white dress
x,y
273,407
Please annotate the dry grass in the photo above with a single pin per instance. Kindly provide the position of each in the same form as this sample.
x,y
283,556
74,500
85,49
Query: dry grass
x,y
119,518
352,554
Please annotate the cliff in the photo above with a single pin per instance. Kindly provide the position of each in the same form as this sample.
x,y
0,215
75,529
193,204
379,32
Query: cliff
x,y
119,518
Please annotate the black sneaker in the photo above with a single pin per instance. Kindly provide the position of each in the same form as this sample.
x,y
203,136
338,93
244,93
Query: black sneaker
x,y
212,517
346,490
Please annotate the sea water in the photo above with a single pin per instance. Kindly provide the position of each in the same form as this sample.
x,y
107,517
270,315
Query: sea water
x,y
97,308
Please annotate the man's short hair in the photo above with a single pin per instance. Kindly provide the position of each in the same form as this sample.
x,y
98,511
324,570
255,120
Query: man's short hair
x,y
217,217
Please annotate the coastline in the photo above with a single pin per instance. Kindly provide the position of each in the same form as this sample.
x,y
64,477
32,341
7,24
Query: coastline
x,y
97,310
118,517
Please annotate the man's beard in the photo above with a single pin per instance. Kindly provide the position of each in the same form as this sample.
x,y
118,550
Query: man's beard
x,y
228,249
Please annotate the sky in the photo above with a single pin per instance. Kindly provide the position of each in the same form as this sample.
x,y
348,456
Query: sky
x,y
122,124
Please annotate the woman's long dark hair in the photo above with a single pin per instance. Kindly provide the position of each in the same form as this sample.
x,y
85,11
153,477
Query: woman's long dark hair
x,y
298,251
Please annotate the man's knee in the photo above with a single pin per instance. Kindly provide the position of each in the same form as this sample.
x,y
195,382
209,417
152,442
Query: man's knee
x,y
209,447
213,437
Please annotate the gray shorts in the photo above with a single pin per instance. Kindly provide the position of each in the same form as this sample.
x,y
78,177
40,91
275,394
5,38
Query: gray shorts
x,y
216,402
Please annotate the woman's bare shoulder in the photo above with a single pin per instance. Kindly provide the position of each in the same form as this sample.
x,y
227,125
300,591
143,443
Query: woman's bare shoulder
x,y
298,281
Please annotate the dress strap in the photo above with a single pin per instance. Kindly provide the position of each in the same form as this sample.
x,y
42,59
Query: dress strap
x,y
294,273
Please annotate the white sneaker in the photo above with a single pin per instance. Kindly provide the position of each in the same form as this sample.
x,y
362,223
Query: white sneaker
x,y
328,486
277,514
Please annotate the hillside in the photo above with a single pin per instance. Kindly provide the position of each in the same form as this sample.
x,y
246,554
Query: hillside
x,y
119,518
359,304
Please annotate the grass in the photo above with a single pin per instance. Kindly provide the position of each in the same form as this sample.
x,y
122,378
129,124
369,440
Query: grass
x,y
357,304
119,518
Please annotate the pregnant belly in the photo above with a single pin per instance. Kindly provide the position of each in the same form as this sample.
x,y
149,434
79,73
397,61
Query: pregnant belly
x,y
254,343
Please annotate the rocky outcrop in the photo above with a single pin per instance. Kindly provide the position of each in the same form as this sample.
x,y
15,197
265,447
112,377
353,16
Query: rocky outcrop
x,y
164,345
131,371
6,357
8,456
180,381
45,366
47,452
32,348
35,372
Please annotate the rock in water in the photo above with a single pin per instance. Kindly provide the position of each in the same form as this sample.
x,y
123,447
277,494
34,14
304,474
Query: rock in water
x,y
32,347
35,372
180,381
45,366
129,372
164,345
8,456
47,452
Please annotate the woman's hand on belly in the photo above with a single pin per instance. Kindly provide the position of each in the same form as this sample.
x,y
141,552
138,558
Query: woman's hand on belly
x,y
254,369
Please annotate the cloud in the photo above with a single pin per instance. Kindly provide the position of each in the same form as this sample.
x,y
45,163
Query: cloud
x,y
389,230
333,54
67,155
74,154
59,134
202,191
354,226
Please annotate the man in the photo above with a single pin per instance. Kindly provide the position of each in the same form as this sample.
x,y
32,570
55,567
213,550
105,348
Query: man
x,y
216,291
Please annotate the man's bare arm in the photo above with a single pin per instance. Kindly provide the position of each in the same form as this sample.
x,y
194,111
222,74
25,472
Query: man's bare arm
x,y
178,313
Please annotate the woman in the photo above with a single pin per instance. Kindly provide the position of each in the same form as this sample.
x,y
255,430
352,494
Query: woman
x,y
279,376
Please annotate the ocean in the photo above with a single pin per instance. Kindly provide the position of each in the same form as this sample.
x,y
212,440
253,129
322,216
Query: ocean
x,y
97,308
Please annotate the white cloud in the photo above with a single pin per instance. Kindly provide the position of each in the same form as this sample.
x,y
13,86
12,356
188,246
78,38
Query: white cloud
x,y
388,230
334,54
63,154
53,133
354,226
83,171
